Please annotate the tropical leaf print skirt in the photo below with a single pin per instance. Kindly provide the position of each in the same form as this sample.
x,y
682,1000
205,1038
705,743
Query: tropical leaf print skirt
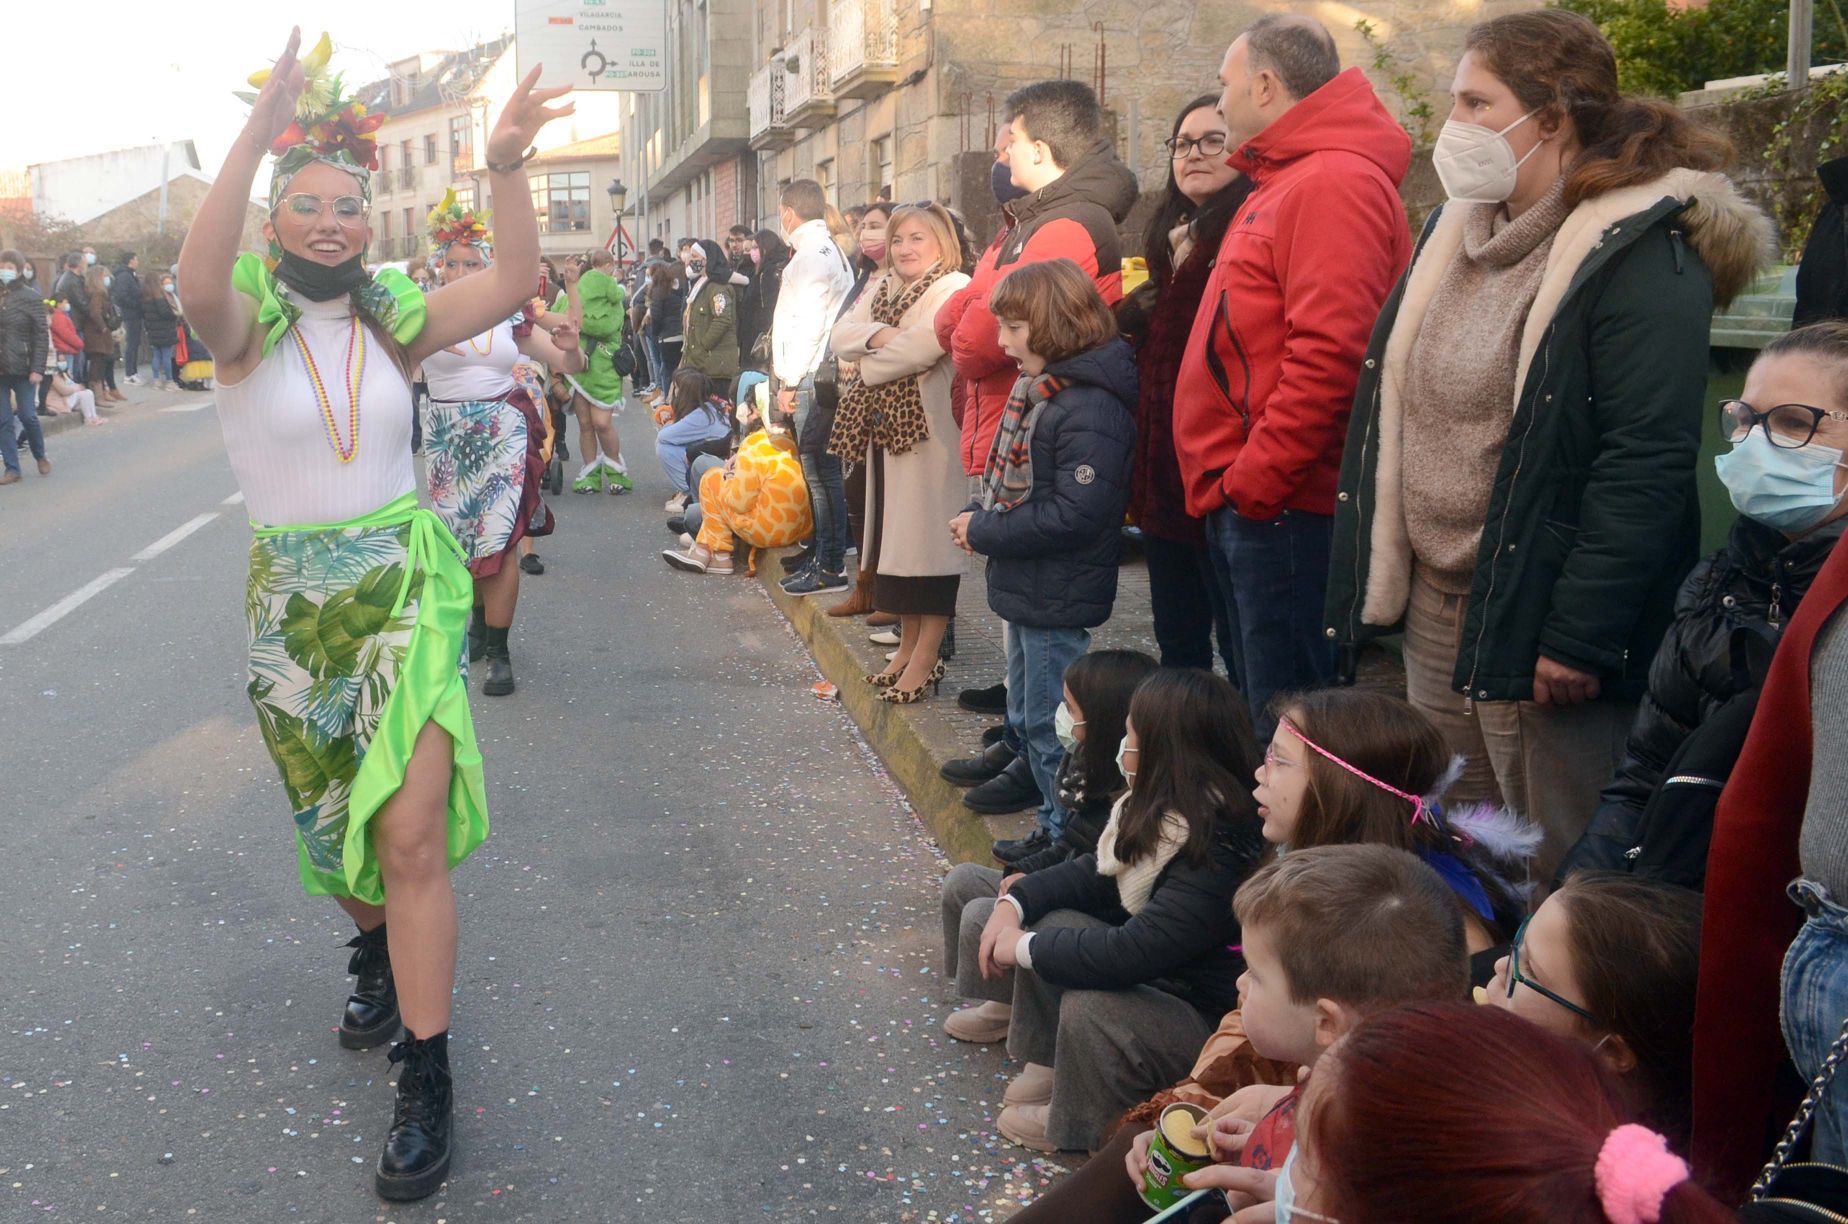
x,y
357,641
483,461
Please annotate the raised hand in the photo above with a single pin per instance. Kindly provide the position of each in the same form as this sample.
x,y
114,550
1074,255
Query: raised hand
x,y
565,337
526,112
274,108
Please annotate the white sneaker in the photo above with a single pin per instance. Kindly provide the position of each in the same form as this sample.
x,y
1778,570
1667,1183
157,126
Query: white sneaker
x,y
134,378
883,637
676,503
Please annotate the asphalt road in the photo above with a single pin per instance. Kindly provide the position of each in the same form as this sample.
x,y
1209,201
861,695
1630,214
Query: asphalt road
x,y
699,972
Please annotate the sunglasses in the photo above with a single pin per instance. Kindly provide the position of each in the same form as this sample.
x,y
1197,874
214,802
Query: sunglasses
x,y
349,211
1516,979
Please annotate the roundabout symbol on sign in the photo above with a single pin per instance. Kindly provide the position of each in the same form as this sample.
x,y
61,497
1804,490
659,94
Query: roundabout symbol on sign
x,y
594,54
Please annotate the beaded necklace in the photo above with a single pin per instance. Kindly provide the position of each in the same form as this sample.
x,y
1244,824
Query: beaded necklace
x,y
355,373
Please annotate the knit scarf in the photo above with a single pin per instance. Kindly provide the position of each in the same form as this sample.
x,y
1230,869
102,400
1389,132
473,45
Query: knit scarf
x,y
1008,476
890,415
1135,881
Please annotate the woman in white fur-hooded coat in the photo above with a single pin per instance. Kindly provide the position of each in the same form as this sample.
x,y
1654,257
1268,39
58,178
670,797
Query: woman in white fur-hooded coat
x,y
1518,490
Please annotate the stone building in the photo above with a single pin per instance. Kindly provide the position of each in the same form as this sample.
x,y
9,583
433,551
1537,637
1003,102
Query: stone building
x,y
902,97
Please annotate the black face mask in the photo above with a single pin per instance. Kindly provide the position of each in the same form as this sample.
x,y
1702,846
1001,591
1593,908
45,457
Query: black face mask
x,y
1001,180
316,281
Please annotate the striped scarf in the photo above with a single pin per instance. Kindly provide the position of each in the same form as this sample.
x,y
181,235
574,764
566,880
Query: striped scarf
x,y
1008,476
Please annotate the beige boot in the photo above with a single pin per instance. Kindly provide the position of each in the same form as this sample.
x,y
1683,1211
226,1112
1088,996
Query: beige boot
x,y
983,1024
1033,1086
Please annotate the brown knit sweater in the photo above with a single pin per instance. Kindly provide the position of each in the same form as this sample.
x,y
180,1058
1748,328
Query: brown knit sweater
x,y
1459,382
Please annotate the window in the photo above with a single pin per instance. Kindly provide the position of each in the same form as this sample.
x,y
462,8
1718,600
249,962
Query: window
x,y
465,196
410,225
562,201
430,149
461,140
881,159
385,229
384,161
824,175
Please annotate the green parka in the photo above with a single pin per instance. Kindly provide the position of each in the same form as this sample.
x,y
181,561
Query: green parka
x,y
1593,520
711,344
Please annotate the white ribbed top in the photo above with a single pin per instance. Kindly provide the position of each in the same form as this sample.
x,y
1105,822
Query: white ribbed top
x,y
483,369
277,440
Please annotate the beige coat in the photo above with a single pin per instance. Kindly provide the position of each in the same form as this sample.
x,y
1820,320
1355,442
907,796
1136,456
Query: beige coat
x,y
925,487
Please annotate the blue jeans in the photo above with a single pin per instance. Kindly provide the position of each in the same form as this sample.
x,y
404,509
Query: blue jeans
x,y
1274,574
1815,990
695,514
1036,663
19,400
1188,605
163,363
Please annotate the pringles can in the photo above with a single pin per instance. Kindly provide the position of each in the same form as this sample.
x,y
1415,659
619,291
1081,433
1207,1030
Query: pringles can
x,y
1173,1154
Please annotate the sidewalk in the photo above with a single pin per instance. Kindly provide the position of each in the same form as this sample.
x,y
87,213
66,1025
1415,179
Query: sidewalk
x,y
140,398
915,740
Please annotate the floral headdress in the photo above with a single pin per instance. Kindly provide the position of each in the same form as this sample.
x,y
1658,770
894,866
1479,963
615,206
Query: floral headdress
x,y
451,223
327,127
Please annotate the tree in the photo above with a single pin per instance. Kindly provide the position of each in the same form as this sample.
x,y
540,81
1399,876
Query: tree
x,y
1667,51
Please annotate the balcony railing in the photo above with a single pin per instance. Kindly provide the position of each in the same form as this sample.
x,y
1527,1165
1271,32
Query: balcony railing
x,y
808,99
461,162
862,47
764,97
407,178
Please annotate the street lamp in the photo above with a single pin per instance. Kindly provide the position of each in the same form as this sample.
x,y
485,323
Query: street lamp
x,y
619,196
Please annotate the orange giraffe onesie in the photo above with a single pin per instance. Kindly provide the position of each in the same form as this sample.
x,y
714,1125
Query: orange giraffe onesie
x,y
764,502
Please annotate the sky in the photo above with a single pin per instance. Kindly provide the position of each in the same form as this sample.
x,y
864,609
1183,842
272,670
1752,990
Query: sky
x,y
145,73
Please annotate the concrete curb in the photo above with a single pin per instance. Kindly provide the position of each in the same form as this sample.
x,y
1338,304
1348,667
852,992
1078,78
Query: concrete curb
x,y
840,649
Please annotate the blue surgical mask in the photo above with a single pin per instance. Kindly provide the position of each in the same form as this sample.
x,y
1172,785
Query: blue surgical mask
x,y
1066,728
1285,1197
1129,775
1789,489
7,276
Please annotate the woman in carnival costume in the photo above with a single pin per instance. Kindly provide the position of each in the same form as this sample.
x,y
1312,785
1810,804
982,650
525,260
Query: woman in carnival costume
x,y
358,600
597,301
483,438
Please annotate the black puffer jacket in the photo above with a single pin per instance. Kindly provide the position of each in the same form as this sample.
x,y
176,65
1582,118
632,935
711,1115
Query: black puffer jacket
x,y
1087,811
1728,617
159,322
1180,941
1822,277
1052,559
24,335
125,292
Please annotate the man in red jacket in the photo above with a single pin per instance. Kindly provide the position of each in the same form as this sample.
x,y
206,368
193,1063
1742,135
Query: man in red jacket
x,y
1262,399
1077,194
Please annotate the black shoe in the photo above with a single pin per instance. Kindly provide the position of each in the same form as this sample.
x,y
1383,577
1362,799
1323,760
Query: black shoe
x,y
975,770
677,526
946,649
477,635
531,564
416,1156
990,700
994,734
372,1009
1011,852
798,560
1011,790
500,676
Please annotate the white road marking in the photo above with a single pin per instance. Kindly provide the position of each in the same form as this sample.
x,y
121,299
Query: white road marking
x,y
64,607
236,499
174,537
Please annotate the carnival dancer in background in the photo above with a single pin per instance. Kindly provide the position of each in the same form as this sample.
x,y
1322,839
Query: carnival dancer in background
x,y
357,599
483,439
598,307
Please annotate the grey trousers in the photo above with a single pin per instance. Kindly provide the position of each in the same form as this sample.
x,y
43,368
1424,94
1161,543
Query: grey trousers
x,y
1108,1049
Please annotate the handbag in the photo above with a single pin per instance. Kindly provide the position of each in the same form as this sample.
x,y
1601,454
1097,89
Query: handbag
x,y
1802,1192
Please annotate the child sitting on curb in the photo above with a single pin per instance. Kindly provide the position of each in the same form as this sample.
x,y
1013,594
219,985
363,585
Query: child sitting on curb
x,y
1098,689
1053,494
757,496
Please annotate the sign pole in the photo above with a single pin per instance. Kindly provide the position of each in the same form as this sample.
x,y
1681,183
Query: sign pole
x,y
1802,34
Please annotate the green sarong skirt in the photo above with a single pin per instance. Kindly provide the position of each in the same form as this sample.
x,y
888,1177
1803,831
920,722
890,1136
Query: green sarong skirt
x,y
357,640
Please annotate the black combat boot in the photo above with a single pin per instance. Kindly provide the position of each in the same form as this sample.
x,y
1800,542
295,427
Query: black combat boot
x,y
372,1009
477,634
416,1156
500,665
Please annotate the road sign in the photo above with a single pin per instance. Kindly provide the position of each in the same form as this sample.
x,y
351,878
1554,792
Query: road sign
x,y
594,44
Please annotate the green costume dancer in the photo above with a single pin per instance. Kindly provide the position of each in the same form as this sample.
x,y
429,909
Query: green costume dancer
x,y
358,600
598,390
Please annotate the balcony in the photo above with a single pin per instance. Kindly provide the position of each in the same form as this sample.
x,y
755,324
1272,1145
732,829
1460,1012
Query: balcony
x,y
862,47
769,129
808,101
461,163
407,178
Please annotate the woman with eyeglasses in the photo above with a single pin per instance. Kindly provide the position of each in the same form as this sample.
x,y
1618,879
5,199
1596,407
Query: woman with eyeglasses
x,y
1203,197
1785,475
358,601
1517,492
